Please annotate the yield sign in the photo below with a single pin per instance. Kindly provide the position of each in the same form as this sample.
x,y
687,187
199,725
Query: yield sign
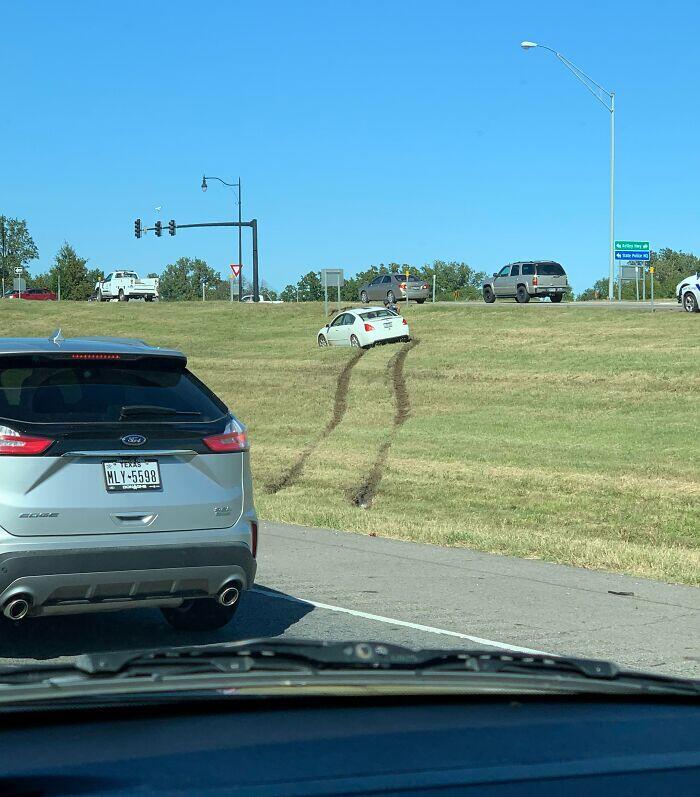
x,y
235,270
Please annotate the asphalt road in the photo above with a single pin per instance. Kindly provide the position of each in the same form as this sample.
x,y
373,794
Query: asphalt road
x,y
625,304
315,583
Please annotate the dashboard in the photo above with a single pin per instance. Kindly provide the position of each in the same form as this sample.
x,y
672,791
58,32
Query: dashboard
x,y
283,748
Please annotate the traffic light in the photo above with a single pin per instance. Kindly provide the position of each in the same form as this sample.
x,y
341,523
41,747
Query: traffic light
x,y
172,226
137,228
159,228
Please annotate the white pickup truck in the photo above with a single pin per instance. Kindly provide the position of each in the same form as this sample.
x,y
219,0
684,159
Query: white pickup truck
x,y
125,285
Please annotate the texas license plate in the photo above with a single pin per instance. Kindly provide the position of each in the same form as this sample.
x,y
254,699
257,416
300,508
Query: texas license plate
x,y
131,474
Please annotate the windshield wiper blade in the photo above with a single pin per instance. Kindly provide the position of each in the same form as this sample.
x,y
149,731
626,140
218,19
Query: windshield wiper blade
x,y
371,657
136,410
362,658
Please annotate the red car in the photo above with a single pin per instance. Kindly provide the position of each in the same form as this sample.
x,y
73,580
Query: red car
x,y
38,294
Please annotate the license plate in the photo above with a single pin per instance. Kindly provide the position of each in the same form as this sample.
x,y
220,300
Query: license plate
x,y
388,325
131,474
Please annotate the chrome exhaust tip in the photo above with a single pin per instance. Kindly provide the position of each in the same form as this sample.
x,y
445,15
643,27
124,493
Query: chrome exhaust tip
x,y
17,608
228,595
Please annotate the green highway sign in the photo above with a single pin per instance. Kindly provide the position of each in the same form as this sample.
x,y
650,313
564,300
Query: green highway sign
x,y
637,246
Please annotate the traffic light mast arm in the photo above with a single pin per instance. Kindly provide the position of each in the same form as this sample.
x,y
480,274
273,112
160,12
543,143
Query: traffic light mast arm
x,y
253,224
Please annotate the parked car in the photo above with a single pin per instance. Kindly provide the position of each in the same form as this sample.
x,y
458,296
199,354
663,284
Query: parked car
x,y
395,287
35,294
125,285
264,299
688,293
527,279
364,327
125,483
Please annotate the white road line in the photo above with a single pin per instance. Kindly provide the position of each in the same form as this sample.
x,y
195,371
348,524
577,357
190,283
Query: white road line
x,y
392,621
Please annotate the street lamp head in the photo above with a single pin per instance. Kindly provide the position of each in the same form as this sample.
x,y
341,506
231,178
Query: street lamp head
x,y
204,183
528,45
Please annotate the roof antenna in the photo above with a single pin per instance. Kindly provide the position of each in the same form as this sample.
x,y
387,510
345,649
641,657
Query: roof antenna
x,y
57,337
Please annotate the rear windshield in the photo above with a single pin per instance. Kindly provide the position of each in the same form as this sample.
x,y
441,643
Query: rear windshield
x,y
42,390
377,314
550,270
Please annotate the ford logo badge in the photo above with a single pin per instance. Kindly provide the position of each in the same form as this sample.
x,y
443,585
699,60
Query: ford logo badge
x,y
133,440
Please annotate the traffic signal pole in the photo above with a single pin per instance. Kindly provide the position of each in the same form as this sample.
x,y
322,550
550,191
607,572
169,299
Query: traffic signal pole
x,y
172,227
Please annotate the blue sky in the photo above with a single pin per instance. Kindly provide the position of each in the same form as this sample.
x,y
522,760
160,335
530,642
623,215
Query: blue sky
x,y
363,132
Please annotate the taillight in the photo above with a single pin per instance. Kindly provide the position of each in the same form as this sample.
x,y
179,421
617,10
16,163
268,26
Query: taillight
x,y
14,444
254,538
534,280
403,286
425,286
233,438
369,328
404,322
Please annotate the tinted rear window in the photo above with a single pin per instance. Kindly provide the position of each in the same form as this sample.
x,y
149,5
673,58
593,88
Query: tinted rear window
x,y
41,390
377,314
550,270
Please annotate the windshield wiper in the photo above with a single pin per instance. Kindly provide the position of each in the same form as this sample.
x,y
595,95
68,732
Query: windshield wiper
x,y
362,658
152,410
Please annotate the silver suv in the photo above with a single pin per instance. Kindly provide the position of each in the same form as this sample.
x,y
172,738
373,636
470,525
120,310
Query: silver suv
x,y
124,482
521,281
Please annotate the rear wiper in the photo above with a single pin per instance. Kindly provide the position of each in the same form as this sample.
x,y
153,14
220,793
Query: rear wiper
x,y
136,410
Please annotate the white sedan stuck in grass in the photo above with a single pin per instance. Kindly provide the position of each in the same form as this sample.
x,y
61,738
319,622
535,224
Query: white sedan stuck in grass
x,y
364,327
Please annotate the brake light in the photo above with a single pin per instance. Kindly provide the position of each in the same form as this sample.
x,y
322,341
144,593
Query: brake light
x,y
369,328
425,286
14,444
229,441
233,438
96,356
254,538
403,286
534,280
404,322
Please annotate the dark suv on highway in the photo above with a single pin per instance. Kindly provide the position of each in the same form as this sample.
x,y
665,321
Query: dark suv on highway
x,y
523,280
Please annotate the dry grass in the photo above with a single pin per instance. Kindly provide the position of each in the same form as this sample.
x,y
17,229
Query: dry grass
x,y
559,433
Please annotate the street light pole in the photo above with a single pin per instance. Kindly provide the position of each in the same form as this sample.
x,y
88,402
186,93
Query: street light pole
x,y
237,186
596,90
240,245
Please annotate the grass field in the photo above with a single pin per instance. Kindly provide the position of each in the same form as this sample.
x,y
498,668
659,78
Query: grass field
x,y
559,433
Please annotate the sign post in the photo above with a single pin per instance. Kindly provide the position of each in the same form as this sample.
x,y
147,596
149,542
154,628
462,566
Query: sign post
x,y
331,278
236,272
19,285
630,253
651,271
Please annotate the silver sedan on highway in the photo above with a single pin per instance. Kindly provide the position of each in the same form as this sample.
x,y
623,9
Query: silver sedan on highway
x,y
394,287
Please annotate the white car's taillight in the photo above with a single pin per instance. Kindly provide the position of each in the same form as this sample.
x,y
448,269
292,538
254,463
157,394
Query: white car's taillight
x,y
16,444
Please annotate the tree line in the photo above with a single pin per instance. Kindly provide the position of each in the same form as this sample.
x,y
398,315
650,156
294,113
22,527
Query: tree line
x,y
183,279
452,280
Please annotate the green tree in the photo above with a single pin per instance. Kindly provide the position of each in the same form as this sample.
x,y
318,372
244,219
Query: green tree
x,y
310,287
289,293
182,280
77,281
17,248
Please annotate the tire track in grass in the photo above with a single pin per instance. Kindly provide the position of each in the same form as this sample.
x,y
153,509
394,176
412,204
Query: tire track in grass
x,y
363,496
340,406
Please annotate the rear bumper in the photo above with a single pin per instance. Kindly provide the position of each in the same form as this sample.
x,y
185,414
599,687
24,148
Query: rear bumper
x,y
62,577
554,289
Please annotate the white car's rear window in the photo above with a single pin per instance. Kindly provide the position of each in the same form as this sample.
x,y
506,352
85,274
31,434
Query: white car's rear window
x,y
377,314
